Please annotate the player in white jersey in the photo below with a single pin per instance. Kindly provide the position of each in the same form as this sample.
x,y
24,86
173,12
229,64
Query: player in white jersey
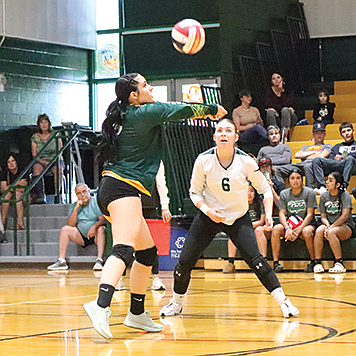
x,y
219,186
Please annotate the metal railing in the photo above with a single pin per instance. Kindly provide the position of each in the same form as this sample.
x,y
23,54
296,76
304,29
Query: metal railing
x,y
67,135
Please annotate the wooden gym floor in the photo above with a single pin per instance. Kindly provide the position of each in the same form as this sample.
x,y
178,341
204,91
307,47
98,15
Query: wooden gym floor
x,y
42,314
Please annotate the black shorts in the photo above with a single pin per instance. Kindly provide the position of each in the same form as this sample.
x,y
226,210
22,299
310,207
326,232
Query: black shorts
x,y
87,241
111,189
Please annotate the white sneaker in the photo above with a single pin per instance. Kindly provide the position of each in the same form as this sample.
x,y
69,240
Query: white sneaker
x,y
98,266
142,321
171,309
318,268
100,318
58,266
338,268
121,284
157,284
288,309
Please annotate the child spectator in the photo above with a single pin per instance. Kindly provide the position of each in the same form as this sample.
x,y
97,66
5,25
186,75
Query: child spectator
x,y
335,207
324,110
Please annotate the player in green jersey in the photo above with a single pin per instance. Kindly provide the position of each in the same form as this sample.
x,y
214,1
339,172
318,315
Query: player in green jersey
x,y
132,151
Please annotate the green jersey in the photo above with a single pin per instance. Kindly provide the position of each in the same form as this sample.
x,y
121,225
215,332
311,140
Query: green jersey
x,y
139,145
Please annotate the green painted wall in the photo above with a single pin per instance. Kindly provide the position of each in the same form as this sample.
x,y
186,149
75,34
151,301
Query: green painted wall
x,y
153,54
244,22
43,78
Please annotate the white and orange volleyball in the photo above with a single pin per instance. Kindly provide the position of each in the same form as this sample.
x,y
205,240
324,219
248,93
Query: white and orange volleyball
x,y
188,36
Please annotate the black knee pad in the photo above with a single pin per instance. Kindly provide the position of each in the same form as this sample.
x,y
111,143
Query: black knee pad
x,y
125,253
181,275
260,266
147,257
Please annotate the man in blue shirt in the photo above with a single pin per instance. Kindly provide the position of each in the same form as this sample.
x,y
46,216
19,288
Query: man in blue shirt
x,y
85,226
341,159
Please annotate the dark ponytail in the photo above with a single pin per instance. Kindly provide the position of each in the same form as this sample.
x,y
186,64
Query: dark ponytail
x,y
115,116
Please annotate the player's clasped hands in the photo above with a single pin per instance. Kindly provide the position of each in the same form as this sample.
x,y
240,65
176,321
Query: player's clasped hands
x,y
216,215
221,113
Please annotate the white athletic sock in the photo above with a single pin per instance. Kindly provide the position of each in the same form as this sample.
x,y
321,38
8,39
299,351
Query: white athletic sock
x,y
178,298
279,295
61,260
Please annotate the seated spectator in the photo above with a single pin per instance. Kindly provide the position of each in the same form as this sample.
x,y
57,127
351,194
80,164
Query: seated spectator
x,y
324,110
279,106
307,153
342,159
257,214
278,152
276,183
85,226
38,140
335,207
295,201
248,121
9,175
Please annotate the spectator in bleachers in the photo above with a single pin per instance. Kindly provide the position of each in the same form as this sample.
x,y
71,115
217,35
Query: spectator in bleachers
x,y
324,110
307,153
341,159
295,201
38,140
9,175
248,121
278,152
276,184
335,207
85,226
279,104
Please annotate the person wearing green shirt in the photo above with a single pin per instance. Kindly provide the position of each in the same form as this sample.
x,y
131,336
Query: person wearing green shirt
x,y
132,151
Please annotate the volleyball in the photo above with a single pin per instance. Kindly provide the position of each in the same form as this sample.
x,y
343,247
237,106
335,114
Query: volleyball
x,y
295,221
188,36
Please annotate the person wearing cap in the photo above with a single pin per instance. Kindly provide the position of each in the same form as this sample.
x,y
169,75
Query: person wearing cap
x,y
307,153
278,152
342,159
276,184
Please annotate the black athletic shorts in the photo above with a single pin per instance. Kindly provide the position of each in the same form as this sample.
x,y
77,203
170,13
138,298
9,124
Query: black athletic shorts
x,y
87,241
111,189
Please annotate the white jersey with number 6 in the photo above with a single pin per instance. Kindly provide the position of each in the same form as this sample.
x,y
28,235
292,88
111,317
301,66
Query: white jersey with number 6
x,y
226,189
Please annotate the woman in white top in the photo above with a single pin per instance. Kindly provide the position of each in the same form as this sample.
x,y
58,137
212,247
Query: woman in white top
x,y
219,187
